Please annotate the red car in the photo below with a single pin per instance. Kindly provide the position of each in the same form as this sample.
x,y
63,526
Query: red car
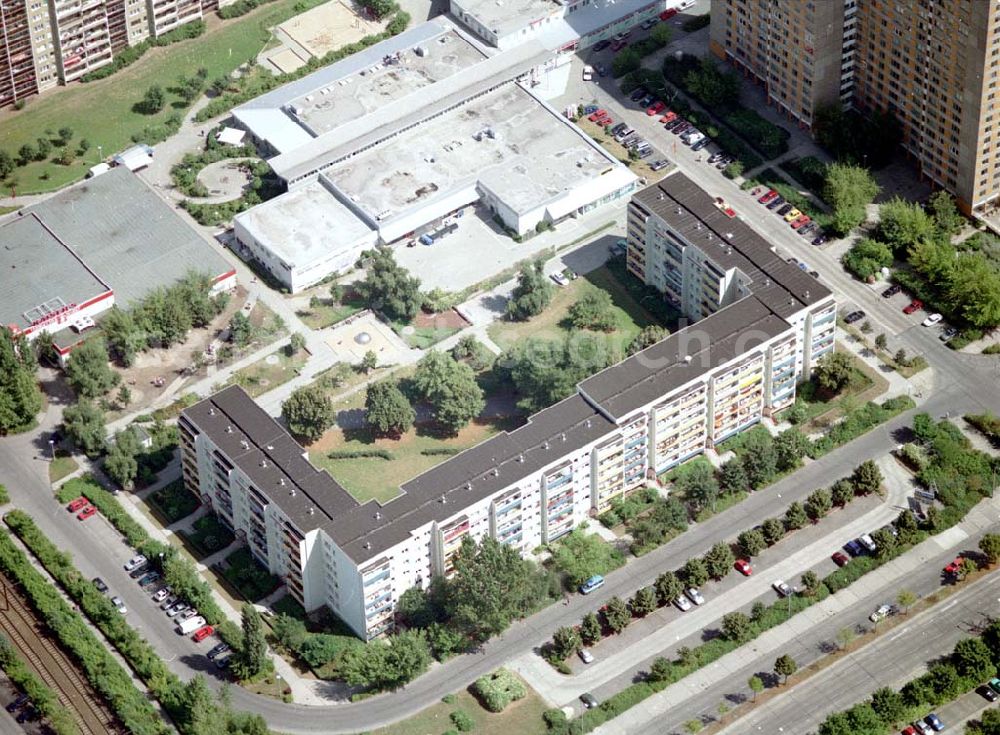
x,y
909,730
954,566
86,513
656,108
743,567
840,558
619,44
603,121
769,197
597,114
202,633
801,221
75,505
915,305
670,116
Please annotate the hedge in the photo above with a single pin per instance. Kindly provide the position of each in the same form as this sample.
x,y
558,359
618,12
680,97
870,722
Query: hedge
x,y
131,54
104,673
499,689
45,700
860,422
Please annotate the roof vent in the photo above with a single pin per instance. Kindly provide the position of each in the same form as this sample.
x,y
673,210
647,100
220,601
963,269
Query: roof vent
x,y
563,436
292,492
229,429
468,486
211,410
496,472
698,225
545,445
270,447
520,458
680,211
244,443
687,358
806,293
767,282
281,481
588,423
312,511
263,463
729,236
368,544
443,500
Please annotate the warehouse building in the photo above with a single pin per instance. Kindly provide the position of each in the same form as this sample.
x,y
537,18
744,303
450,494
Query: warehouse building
x,y
108,240
444,125
622,428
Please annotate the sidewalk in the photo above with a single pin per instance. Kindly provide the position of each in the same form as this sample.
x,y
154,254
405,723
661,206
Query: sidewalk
x,y
774,640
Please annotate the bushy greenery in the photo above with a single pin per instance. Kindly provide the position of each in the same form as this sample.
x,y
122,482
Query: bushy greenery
x,y
532,293
45,700
20,398
499,689
849,136
263,185
625,509
986,423
131,54
308,412
184,174
859,422
579,556
388,287
866,258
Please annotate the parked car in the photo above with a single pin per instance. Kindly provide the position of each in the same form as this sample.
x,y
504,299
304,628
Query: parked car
x,y
223,662
647,100
881,613
947,333
599,113
135,562
776,202
169,602
668,116
644,151
28,714
915,305
176,609
819,240
119,604
86,513
801,221
743,567
935,722
75,505
954,566
923,728
149,579
682,128
589,700
892,290
701,144
784,209
161,594
868,542
601,45
595,582
588,73
987,693
657,165
694,595
18,702
100,584
656,108
724,161
807,229
782,588
618,44
218,650
202,633
586,656
792,214
995,685
637,94
769,196
188,614
190,625
647,24
618,128
932,320
683,603
840,558
854,316
139,571
673,124
560,279
854,548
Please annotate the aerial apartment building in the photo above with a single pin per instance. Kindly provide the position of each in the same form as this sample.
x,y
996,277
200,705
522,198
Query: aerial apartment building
x,y
622,428
47,42
933,64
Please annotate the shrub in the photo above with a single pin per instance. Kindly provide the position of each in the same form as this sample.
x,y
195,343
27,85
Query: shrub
x,y
44,699
499,689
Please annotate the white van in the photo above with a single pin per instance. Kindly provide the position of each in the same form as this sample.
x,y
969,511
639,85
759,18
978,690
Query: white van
x,y
101,168
190,625
697,137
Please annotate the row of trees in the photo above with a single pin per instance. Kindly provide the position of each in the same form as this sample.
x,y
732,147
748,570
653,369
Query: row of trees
x,y
20,397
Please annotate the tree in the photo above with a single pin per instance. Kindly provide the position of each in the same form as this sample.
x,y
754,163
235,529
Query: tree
x,y
866,478
643,602
387,286
296,343
565,642
532,293
881,342
450,387
83,146
475,353
241,330
617,614
773,530
661,669
905,598
125,338
967,567
818,504
120,464
84,425
795,516
20,398
733,477
694,572
714,88
973,659
737,627
661,34
153,101
719,560
989,723
842,492
123,397
756,685
845,636
369,362
26,154
790,446
42,149
593,310
759,457
547,371
867,258
834,371
590,629
946,216
752,541
88,370
785,666
757,611
308,412
885,543
668,587
848,189
627,60
989,544
387,410
65,135
810,582
381,665
697,484
7,165
646,338
250,659
900,357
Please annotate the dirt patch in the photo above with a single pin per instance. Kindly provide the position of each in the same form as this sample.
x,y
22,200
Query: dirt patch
x,y
450,319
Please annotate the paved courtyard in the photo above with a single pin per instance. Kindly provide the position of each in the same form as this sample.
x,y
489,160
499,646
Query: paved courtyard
x,y
354,337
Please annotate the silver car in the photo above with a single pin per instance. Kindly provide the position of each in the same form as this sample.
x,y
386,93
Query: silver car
x,y
694,595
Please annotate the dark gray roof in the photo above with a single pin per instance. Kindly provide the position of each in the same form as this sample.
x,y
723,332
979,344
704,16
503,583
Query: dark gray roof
x,y
682,357
36,267
469,477
130,237
268,455
687,208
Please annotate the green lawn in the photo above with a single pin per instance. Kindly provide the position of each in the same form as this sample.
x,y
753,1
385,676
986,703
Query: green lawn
x,y
327,312
523,717
268,373
7,210
173,501
553,323
101,112
822,408
60,467
207,536
247,576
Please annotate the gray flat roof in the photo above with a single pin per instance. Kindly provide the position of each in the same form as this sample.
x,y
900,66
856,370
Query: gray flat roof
x,y
127,235
305,224
39,273
506,16
683,357
731,243
270,457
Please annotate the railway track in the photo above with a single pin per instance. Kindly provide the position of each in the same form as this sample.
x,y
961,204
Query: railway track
x,y
55,668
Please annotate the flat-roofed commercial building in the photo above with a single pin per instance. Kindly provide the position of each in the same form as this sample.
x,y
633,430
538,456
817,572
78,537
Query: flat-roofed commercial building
x,y
622,428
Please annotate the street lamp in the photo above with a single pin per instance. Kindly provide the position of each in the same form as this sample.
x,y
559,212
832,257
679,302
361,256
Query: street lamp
x,y
100,153
52,448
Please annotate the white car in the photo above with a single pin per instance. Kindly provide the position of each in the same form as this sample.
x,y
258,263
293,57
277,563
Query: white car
x,y
932,320
695,596
588,73
161,594
881,613
682,603
135,562
560,279
586,656
187,614
782,588
119,605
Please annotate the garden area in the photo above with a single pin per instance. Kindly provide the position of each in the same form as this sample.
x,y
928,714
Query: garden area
x,y
246,575
826,396
207,536
269,372
173,502
336,306
580,555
